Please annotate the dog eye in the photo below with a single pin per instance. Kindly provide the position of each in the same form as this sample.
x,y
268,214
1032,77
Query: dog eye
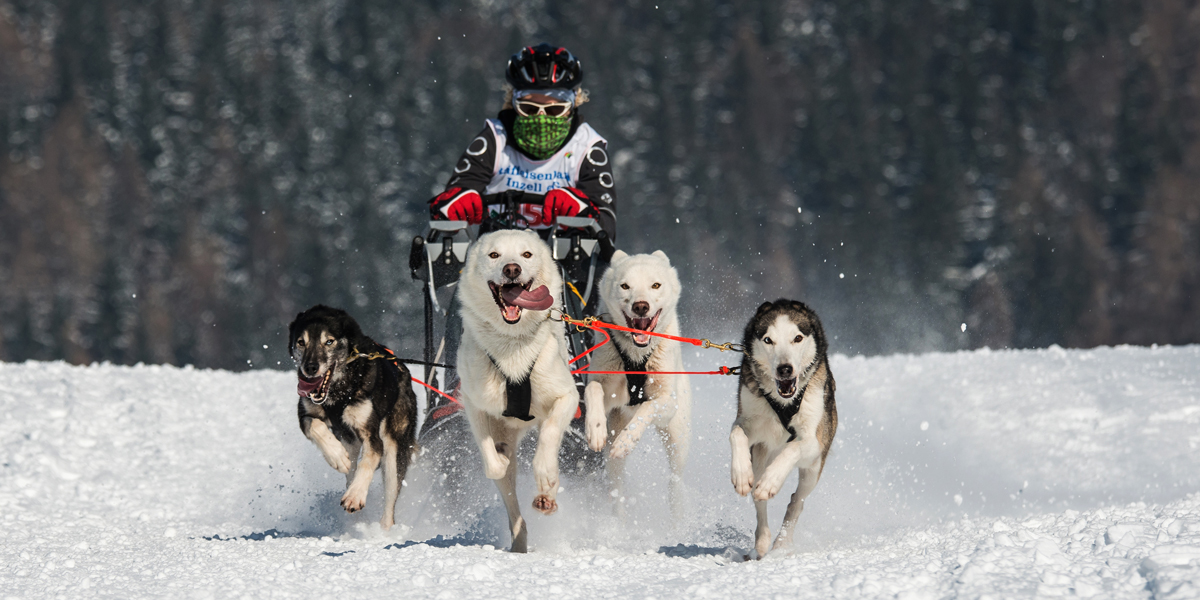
x,y
656,286
768,341
328,342
798,339
300,343
624,286
527,254
494,255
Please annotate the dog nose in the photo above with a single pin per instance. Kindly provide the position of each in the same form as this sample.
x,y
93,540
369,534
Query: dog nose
x,y
784,371
310,369
512,270
641,309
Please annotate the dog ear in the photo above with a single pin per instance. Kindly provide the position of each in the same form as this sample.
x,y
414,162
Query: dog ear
x,y
764,307
662,255
619,256
292,333
796,304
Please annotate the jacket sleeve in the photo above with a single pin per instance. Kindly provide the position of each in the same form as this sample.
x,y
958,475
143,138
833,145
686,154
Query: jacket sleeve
x,y
596,181
473,171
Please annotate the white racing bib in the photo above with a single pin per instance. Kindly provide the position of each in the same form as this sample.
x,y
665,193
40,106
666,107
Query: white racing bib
x,y
515,171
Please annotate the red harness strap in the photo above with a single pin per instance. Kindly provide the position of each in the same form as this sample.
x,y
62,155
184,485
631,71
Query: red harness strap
x,y
595,324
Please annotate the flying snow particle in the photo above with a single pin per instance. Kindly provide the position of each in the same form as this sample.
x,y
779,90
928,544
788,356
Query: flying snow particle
x,y
924,425
800,209
958,499
676,219
264,346
963,327
841,275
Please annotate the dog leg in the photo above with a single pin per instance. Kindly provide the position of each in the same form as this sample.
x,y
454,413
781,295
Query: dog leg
x,y
355,497
741,471
772,479
507,485
615,467
629,435
487,432
545,459
391,483
808,481
593,399
352,450
331,449
677,443
762,533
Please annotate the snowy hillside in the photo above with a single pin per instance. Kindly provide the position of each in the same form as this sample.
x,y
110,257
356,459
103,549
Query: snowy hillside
x,y
1017,474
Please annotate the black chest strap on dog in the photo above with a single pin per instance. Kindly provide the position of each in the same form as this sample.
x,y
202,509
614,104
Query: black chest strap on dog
x,y
786,412
518,396
635,381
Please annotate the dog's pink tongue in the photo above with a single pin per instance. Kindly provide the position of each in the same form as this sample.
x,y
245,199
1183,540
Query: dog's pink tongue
x,y
536,299
304,387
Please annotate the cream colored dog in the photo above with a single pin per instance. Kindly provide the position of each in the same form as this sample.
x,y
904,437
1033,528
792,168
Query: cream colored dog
x,y
640,292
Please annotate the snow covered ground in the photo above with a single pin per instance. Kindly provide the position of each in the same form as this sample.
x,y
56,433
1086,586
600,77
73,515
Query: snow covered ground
x,y
1003,474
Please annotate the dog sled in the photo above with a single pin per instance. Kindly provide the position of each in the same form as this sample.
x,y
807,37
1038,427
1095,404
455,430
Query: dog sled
x,y
580,248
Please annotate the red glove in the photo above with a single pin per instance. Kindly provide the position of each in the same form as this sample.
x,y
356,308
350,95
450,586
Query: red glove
x,y
457,204
566,202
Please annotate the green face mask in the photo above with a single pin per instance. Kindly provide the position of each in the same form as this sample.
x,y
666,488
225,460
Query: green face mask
x,y
541,136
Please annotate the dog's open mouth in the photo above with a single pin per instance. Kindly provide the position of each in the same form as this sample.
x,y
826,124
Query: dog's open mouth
x,y
786,387
314,388
513,297
641,340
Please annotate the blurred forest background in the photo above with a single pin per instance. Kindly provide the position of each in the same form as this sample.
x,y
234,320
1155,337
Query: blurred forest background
x,y
179,178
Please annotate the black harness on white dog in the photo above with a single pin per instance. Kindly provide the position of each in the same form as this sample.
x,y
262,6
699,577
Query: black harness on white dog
x,y
635,381
786,412
518,395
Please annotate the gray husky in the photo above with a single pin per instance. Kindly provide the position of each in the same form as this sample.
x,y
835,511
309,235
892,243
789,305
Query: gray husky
x,y
786,415
354,397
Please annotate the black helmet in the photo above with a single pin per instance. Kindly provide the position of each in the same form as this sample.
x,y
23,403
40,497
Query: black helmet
x,y
543,67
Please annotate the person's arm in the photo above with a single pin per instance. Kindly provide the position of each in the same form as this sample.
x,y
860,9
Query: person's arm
x,y
472,173
596,182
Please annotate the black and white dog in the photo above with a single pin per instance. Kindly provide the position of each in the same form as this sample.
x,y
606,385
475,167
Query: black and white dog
x,y
786,415
354,396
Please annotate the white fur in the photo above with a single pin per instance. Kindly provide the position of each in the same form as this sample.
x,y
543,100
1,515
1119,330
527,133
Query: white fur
x,y
534,341
669,405
762,458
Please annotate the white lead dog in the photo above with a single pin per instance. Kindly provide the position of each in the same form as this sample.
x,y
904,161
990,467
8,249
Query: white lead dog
x,y
513,364
640,292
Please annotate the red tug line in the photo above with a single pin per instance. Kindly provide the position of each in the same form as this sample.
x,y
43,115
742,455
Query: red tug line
x,y
595,324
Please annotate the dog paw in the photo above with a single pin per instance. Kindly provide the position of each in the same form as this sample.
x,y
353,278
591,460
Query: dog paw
x,y
494,467
354,500
545,504
743,478
767,487
596,434
338,460
622,446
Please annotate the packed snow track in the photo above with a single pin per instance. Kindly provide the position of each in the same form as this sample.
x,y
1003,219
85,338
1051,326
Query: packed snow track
x,y
1005,474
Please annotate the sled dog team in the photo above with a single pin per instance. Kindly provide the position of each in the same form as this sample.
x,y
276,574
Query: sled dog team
x,y
358,407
